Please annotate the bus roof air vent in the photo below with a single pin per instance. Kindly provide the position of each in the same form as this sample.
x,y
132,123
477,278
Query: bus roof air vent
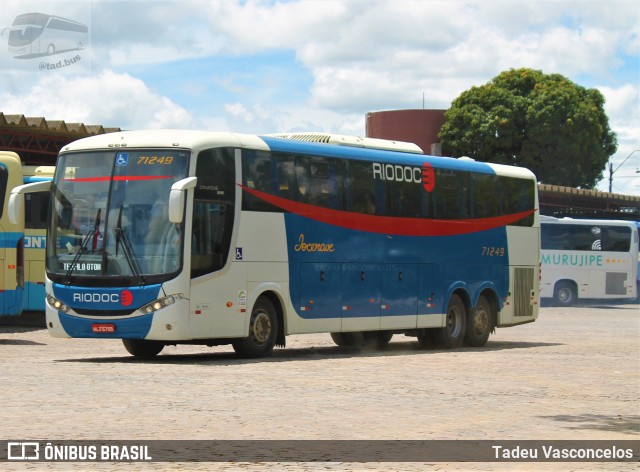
x,y
354,141
467,158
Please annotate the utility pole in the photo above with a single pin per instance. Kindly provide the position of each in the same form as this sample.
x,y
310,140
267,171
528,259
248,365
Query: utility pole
x,y
611,171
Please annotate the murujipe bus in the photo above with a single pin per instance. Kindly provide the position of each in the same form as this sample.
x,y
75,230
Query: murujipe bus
x,y
22,244
164,237
588,259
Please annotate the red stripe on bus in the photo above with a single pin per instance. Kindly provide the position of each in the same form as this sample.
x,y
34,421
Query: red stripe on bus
x,y
117,178
399,226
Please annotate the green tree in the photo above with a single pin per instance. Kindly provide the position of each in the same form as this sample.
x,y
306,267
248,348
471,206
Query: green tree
x,y
543,122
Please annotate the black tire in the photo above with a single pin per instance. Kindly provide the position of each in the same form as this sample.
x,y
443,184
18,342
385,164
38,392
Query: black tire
x,y
564,294
263,331
479,324
452,334
143,347
383,338
362,339
341,339
425,338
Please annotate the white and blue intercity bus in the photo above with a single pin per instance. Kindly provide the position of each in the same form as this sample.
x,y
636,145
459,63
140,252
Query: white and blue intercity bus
x,y
22,242
586,259
165,237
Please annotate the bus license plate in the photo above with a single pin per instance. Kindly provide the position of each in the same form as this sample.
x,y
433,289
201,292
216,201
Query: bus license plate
x,y
103,328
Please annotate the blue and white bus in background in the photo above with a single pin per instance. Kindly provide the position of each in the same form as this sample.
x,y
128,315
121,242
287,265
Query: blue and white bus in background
x,y
588,259
22,243
165,237
39,34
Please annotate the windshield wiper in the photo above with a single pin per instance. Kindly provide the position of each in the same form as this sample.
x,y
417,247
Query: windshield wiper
x,y
121,236
83,247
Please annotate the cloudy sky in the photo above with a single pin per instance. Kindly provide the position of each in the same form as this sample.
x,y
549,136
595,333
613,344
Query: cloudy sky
x,y
259,66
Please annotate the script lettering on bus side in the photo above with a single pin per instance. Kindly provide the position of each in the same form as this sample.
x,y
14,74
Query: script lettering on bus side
x,y
313,247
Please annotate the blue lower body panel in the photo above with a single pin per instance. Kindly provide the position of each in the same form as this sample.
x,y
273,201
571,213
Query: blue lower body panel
x,y
133,328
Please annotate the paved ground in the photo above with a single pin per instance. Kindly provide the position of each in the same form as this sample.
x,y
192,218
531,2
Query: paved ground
x,y
574,374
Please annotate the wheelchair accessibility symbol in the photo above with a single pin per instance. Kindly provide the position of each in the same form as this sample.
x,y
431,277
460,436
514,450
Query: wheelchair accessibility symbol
x,y
238,254
122,159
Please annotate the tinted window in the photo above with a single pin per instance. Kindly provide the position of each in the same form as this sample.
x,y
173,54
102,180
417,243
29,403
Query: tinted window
x,y
563,237
352,185
35,210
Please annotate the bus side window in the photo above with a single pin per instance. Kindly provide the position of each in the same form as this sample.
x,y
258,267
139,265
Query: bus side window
x,y
36,205
210,225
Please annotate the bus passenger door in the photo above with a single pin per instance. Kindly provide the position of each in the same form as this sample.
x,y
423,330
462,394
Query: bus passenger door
x,y
35,217
361,284
399,306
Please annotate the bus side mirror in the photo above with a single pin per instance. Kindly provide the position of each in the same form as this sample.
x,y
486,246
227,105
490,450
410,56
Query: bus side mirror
x,y
177,198
16,201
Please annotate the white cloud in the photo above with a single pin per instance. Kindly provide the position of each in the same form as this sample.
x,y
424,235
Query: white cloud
x,y
109,99
623,109
356,56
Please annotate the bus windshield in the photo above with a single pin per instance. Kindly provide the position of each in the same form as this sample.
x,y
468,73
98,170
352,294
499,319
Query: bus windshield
x,y
110,216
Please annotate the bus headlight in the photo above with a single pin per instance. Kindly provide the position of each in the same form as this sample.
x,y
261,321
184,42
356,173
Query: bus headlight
x,y
160,303
57,304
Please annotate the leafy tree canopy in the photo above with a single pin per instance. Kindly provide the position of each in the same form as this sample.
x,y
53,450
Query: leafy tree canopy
x,y
543,122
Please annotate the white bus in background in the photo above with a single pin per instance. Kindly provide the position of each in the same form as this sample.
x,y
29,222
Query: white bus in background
x,y
588,259
39,34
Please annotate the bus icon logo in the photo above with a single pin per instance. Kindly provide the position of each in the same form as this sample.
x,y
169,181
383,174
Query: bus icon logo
x,y
39,34
23,451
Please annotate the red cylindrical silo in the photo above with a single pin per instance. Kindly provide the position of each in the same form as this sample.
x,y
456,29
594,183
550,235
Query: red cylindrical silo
x,y
415,126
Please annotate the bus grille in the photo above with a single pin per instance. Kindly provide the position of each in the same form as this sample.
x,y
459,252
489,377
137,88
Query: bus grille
x,y
616,283
104,312
523,287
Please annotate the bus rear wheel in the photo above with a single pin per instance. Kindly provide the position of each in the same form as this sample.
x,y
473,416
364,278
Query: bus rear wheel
x,y
564,294
142,347
452,334
263,331
362,339
479,324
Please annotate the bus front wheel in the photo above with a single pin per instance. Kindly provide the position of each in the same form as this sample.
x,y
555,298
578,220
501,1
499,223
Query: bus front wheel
x,y
452,334
263,331
143,347
565,294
